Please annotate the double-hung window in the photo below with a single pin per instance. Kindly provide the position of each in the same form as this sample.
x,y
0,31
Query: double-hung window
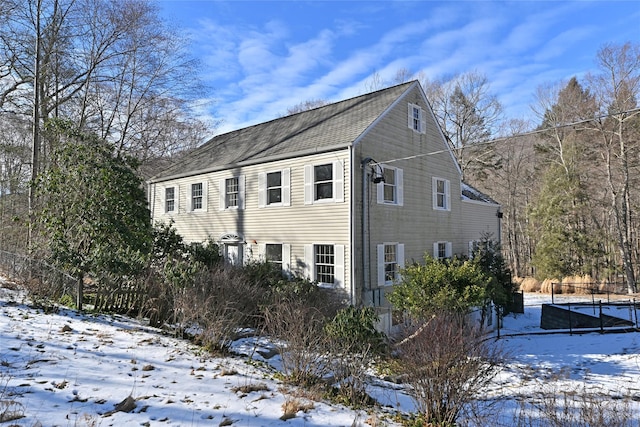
x,y
197,196
390,261
441,194
416,119
324,183
324,263
276,253
274,188
390,191
232,193
273,253
170,199
442,250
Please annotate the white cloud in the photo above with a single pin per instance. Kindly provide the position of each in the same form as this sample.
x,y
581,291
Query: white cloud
x,y
262,68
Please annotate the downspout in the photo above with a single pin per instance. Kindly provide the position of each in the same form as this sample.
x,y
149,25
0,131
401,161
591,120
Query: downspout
x,y
365,227
499,215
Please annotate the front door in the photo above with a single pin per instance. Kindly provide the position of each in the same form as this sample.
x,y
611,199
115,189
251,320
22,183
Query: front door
x,y
233,253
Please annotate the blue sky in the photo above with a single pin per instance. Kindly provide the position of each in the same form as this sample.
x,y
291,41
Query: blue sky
x,y
262,57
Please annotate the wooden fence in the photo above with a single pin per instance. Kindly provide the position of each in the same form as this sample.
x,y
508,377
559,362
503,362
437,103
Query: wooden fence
x,y
104,297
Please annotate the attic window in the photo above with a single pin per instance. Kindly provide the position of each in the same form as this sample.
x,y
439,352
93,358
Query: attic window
x,y
416,119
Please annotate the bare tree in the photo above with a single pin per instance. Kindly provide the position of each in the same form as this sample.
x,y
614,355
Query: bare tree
x,y
112,67
516,158
309,104
617,88
447,364
468,113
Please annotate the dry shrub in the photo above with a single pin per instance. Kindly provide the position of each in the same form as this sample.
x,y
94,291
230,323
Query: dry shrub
x,y
221,301
292,406
298,329
447,365
529,284
553,407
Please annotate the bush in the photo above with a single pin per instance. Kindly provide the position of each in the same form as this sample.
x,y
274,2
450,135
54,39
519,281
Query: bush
x,y
353,343
219,303
451,285
295,314
298,331
551,407
447,365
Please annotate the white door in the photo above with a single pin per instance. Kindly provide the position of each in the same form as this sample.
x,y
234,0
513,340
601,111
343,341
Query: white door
x,y
233,254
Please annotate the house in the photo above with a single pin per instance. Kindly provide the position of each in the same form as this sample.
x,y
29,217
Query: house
x,y
344,194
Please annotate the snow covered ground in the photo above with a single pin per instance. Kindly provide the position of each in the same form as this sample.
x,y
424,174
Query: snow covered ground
x,y
68,369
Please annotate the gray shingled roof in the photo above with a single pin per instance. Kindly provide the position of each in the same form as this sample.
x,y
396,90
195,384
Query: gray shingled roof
x,y
471,193
325,128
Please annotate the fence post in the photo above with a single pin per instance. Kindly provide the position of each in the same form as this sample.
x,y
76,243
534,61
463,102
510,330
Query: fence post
x,y
601,322
570,323
552,299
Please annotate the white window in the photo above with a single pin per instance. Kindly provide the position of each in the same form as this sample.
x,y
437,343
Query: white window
x,y
324,183
416,120
390,191
232,192
274,188
474,245
442,250
441,194
197,197
390,261
273,253
170,199
324,263
276,253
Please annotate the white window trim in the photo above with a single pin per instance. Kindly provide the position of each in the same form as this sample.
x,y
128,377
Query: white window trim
x,y
421,118
286,253
338,267
399,262
473,245
447,194
285,188
399,177
448,249
338,183
190,197
176,199
222,193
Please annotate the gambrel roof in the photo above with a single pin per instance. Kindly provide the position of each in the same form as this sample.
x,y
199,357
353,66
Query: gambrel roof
x,y
322,129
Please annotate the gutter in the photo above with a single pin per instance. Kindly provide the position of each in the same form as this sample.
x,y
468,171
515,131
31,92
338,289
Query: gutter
x,y
246,163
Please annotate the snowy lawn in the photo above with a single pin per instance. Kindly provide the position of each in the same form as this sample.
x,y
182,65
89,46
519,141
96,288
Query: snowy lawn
x,y
69,369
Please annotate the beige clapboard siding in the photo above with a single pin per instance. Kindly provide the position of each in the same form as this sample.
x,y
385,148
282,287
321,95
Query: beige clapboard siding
x,y
480,218
297,225
390,140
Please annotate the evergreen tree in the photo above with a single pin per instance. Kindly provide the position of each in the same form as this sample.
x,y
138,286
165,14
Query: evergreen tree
x,y
94,215
562,219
